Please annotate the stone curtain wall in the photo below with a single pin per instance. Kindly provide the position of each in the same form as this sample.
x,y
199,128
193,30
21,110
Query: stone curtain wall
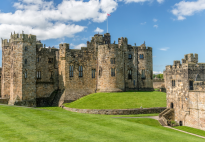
x,y
118,111
158,83
47,65
195,117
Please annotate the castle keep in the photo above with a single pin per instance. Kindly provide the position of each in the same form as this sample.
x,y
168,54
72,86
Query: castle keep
x,y
185,92
31,73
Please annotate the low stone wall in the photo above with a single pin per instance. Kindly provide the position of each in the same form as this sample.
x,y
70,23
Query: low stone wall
x,y
118,111
4,101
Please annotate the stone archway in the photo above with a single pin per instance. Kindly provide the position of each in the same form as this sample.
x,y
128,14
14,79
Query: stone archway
x,y
180,123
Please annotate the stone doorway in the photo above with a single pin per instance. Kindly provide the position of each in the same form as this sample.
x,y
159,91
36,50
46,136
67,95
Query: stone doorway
x,y
180,123
172,105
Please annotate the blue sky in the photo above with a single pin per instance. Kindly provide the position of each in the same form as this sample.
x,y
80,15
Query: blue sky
x,y
171,27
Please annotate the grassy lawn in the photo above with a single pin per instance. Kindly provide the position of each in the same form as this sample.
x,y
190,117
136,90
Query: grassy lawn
x,y
120,100
191,130
20,124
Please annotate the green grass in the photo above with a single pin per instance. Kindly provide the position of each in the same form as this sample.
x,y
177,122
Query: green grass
x,y
19,124
120,100
191,130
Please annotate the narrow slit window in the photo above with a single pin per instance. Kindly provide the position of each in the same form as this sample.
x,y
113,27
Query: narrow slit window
x,y
173,82
130,56
25,61
93,73
143,73
80,71
25,74
71,71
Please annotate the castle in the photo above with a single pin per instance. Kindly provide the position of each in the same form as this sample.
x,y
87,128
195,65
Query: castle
x,y
185,86
31,73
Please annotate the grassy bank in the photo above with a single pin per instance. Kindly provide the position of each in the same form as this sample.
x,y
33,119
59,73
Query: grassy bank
x,y
191,130
120,100
21,124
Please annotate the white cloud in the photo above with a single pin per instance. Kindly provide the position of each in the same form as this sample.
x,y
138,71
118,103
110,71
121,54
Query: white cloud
x,y
155,26
129,1
157,72
78,46
155,20
47,20
98,30
160,1
188,8
143,23
164,49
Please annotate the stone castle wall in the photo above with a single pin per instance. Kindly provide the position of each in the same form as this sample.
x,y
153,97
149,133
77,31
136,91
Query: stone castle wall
x,y
47,69
186,99
158,83
31,71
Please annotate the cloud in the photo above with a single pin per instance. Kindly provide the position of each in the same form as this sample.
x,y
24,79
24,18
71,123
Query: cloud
x,y
78,46
143,23
155,26
160,1
164,49
187,8
157,72
129,1
49,21
155,20
98,30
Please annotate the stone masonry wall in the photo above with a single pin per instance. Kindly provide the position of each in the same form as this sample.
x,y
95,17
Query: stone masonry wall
x,y
118,111
158,83
47,65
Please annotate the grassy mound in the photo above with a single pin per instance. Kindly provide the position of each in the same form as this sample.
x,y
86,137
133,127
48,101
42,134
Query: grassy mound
x,y
21,124
120,100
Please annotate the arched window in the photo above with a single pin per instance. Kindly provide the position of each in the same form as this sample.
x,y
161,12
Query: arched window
x,y
143,73
130,74
172,105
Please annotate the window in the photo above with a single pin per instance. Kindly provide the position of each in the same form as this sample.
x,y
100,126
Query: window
x,y
134,82
112,60
50,60
130,56
190,85
141,56
25,61
37,59
25,74
112,71
173,82
99,72
93,73
80,71
143,73
129,74
38,74
26,48
51,75
71,71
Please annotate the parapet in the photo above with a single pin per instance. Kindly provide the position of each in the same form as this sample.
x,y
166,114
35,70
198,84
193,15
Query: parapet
x,y
190,58
22,37
4,42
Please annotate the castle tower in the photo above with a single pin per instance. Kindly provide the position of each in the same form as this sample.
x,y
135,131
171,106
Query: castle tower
x,y
110,67
145,71
22,70
6,65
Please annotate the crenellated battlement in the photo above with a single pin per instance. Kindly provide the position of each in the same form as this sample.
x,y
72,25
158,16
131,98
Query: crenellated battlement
x,y
190,58
4,42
